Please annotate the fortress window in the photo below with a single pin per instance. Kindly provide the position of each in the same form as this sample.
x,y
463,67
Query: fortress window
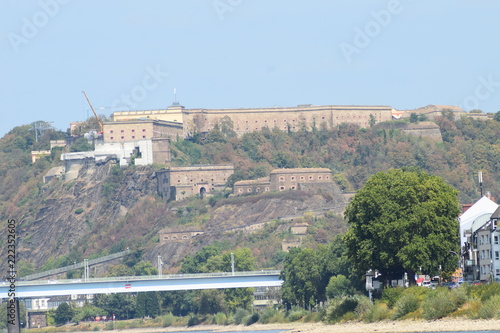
x,y
123,137
133,136
144,130
184,237
256,121
302,178
165,238
111,138
111,131
282,179
246,121
267,189
257,189
143,136
327,177
178,180
311,177
133,130
322,117
275,121
249,190
293,187
320,177
284,121
240,190
282,188
292,178
122,131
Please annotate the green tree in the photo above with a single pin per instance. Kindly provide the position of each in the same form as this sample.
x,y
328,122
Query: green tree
x,y
339,286
147,304
63,313
301,276
120,305
401,220
497,116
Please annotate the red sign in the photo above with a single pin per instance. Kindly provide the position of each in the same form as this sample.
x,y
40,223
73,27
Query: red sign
x,y
128,286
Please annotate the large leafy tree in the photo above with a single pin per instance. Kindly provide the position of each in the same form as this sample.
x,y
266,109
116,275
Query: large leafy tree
x,y
401,220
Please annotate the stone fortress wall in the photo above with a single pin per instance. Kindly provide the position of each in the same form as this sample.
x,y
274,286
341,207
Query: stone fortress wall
x,y
246,120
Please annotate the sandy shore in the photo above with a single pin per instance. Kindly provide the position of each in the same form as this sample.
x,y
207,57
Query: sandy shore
x,y
379,327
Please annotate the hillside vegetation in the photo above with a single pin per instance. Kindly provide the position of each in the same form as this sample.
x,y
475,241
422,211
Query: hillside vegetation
x,y
109,209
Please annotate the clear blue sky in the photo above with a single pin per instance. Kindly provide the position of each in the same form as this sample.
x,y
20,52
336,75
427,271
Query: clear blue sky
x,y
243,53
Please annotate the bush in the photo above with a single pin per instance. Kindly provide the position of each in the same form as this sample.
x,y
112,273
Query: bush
x,y
221,318
337,308
239,315
363,307
405,304
438,305
377,312
252,319
168,320
78,211
296,313
391,295
490,309
193,320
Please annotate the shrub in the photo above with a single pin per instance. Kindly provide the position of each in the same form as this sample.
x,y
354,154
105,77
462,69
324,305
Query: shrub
x,y
296,313
221,318
239,315
252,319
490,309
78,211
363,307
193,320
438,305
168,320
405,304
391,295
338,307
377,312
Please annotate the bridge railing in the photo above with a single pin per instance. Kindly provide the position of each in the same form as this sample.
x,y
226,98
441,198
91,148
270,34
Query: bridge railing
x,y
149,277
75,266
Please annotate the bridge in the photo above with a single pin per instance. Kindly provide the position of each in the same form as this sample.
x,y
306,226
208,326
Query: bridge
x,y
133,284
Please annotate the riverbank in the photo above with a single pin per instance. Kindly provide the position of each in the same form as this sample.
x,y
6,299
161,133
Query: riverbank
x,y
400,326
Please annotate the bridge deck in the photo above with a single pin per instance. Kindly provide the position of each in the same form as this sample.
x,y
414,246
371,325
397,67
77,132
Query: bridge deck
x,y
130,284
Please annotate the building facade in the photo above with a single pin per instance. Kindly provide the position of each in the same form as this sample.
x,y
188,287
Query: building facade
x,y
284,180
140,129
246,120
177,183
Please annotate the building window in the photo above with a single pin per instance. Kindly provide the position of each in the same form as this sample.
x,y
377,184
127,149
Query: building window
x,y
497,255
249,189
240,190
165,238
133,130
267,189
122,131
302,178
282,188
282,179
143,136
311,177
144,130
293,187
496,239
292,178
327,177
320,177
123,137
257,190
111,131
133,136
111,138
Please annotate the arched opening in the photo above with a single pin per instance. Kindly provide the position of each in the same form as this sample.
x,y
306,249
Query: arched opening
x,y
202,192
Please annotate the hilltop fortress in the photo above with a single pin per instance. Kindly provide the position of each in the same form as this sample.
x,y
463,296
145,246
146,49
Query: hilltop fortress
x,y
246,120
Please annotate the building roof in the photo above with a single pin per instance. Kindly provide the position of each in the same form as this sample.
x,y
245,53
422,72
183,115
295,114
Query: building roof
x,y
496,214
300,170
481,207
264,180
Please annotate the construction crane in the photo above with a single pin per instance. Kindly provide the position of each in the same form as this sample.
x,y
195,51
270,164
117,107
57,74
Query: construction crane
x,y
95,114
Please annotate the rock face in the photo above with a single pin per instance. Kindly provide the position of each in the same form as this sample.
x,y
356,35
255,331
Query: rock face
x,y
107,209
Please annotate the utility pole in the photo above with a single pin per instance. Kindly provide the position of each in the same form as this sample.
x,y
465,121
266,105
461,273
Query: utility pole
x,y
480,176
232,263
